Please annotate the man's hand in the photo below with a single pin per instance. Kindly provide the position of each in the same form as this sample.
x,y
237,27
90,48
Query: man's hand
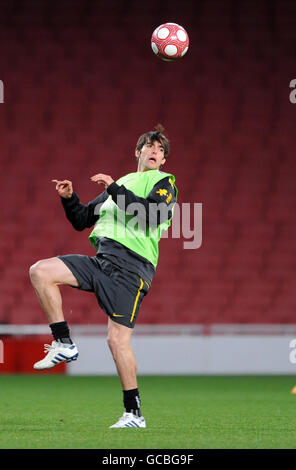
x,y
64,188
105,180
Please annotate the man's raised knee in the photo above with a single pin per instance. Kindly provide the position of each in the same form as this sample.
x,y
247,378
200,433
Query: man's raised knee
x,y
111,340
116,342
37,271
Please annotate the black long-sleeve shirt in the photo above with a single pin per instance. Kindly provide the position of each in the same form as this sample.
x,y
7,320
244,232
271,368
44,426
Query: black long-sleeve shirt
x,y
157,207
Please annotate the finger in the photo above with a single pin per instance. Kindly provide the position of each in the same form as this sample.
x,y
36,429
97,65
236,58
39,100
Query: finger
x,y
96,180
61,186
98,175
60,183
65,184
99,181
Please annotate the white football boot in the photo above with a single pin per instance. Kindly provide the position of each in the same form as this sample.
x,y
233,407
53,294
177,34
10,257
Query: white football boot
x,y
57,352
129,420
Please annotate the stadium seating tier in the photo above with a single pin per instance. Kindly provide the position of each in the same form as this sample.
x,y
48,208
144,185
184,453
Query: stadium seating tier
x,y
81,85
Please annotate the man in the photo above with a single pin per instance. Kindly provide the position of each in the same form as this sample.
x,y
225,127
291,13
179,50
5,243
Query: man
x,y
129,217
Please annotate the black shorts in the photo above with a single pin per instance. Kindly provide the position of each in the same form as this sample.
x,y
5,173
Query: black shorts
x,y
119,292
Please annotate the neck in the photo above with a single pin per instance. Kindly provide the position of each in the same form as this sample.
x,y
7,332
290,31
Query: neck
x,y
141,169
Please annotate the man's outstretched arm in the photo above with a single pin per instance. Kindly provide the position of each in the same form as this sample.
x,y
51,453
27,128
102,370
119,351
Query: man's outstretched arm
x,y
80,215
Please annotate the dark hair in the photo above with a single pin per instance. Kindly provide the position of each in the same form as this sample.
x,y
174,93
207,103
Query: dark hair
x,y
151,136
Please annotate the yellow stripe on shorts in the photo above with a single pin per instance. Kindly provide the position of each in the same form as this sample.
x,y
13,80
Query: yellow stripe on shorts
x,y
136,300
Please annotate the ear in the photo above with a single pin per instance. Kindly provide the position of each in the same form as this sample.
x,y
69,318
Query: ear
x,y
163,161
137,153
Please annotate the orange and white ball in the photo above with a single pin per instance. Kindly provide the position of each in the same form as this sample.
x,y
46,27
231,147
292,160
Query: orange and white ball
x,y
170,41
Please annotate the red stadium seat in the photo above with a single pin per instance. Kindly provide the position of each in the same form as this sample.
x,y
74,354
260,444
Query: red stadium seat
x,y
77,107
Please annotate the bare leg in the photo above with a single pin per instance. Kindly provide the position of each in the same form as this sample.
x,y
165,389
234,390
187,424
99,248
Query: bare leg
x,y
45,276
119,342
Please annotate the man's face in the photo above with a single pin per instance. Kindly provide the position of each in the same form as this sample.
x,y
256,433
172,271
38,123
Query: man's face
x,y
151,156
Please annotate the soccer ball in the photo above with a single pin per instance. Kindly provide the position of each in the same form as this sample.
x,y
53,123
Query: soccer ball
x,y
170,41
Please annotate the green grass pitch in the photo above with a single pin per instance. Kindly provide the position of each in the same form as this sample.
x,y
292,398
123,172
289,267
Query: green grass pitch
x,y
193,412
